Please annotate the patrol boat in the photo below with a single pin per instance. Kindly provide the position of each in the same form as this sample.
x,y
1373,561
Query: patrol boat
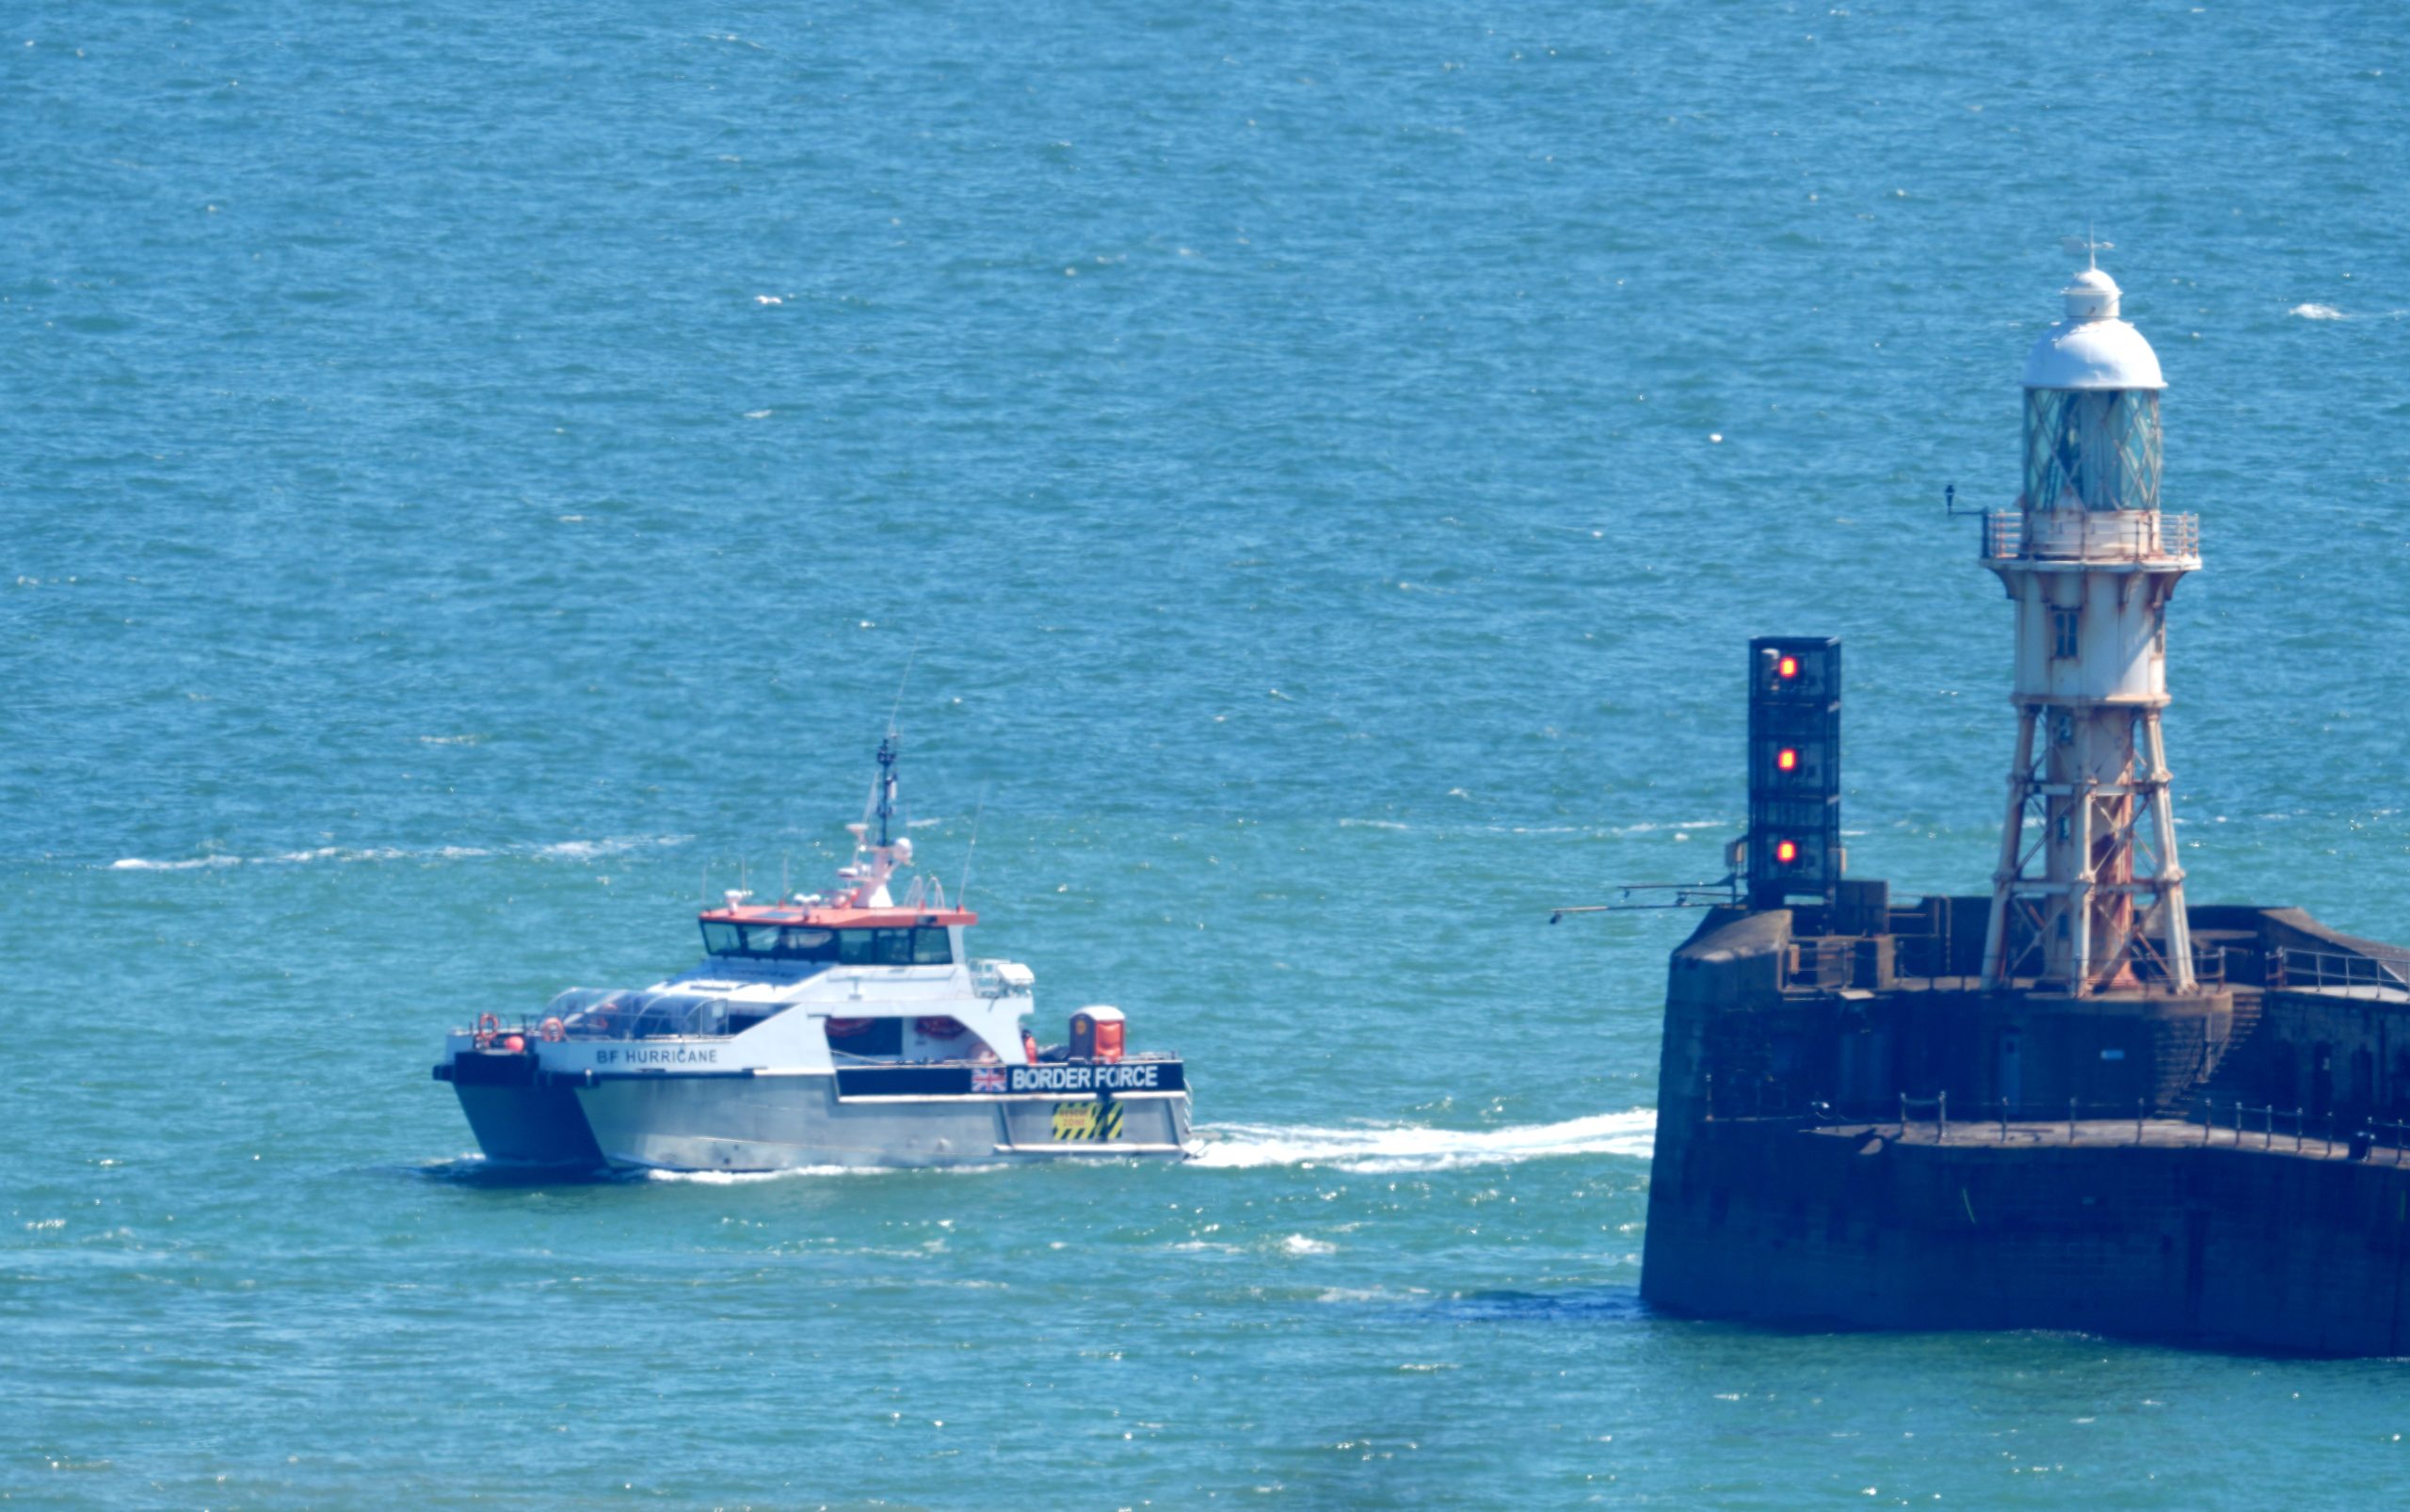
x,y
846,1029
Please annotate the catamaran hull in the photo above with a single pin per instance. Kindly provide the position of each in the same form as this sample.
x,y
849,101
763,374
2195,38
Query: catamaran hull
x,y
517,1120
770,1123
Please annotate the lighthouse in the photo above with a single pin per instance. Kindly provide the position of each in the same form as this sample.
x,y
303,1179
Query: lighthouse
x,y
2058,1102
2088,897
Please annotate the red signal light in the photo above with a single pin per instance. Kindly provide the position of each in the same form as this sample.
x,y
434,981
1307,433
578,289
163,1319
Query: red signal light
x,y
1786,851
1787,668
1786,760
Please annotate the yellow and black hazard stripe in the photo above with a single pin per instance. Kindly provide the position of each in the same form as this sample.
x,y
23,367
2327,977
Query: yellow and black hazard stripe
x,y
1098,1121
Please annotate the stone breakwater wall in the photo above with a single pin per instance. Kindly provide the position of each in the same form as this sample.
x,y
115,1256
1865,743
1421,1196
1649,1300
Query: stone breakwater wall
x,y
2224,1243
1801,1175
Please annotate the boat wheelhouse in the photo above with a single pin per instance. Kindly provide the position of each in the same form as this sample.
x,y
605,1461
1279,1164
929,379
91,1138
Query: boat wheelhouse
x,y
850,1028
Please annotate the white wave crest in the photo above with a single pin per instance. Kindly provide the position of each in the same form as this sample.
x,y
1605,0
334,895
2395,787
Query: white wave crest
x,y
581,851
564,850
2317,312
1408,1148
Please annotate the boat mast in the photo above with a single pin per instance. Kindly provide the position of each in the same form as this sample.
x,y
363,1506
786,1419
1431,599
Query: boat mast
x,y
885,785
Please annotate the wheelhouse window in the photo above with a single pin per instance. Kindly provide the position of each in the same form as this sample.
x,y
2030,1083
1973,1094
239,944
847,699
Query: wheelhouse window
x,y
849,947
769,942
894,947
806,944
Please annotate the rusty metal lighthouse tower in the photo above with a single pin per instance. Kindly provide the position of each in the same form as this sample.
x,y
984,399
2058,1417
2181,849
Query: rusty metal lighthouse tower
x,y
2089,895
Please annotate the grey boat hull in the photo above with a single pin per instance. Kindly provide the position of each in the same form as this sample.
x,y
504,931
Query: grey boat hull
x,y
770,1123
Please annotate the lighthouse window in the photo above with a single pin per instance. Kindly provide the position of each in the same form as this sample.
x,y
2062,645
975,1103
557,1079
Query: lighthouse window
x,y
2092,450
2066,626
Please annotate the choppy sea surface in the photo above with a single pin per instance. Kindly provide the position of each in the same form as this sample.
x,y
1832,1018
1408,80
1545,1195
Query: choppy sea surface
x,y
475,476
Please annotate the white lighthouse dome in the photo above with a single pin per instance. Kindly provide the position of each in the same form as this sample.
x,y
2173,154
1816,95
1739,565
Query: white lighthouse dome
x,y
2091,348
2091,295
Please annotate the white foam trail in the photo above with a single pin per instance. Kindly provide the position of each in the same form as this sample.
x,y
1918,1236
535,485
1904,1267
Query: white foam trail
x,y
1409,1147
1370,1149
792,1172
746,1178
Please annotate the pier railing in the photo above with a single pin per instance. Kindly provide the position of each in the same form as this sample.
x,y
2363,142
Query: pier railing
x,y
1830,963
2225,1125
2350,973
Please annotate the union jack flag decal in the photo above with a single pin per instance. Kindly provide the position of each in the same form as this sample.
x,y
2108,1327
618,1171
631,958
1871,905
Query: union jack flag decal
x,y
987,1081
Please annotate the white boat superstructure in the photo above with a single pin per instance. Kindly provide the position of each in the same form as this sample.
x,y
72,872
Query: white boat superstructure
x,y
852,1028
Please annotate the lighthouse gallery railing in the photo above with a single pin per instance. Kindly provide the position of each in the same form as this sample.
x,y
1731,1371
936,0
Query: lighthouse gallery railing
x,y
2083,536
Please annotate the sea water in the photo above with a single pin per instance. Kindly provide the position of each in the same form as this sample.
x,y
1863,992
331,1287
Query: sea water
x,y
479,478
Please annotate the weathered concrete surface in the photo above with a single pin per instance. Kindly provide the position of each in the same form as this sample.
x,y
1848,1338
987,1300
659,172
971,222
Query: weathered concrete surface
x,y
2164,1240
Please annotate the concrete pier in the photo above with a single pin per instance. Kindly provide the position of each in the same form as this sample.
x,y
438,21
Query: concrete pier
x,y
1782,1192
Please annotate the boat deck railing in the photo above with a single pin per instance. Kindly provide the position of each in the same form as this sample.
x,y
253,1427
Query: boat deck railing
x,y
999,978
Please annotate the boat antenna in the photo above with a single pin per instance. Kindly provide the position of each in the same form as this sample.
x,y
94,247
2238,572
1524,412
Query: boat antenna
x,y
901,683
962,892
884,793
886,785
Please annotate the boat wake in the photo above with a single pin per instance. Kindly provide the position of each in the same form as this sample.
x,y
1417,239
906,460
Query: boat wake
x,y
1376,1149
1366,1149
806,1172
